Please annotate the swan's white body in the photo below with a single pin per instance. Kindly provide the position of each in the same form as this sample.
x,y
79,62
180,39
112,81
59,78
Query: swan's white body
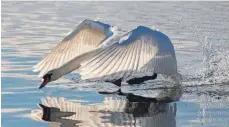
x,y
99,51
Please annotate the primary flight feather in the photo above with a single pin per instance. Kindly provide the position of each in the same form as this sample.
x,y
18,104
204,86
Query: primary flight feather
x,y
84,38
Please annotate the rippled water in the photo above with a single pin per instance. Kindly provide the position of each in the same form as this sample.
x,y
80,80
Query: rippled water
x,y
198,30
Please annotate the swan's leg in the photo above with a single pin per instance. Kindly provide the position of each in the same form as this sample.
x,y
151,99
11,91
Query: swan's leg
x,y
141,79
154,76
117,82
135,81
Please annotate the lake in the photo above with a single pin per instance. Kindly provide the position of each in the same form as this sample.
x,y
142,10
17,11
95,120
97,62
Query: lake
x,y
198,30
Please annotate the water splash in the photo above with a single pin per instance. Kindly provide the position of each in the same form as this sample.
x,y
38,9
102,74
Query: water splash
x,y
216,67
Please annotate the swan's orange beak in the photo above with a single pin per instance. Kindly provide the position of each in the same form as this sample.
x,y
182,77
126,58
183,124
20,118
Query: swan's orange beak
x,y
45,81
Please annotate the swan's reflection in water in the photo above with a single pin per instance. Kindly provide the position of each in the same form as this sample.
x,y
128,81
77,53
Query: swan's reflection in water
x,y
118,109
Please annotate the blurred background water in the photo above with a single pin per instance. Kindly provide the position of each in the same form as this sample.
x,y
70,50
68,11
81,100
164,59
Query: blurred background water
x,y
198,30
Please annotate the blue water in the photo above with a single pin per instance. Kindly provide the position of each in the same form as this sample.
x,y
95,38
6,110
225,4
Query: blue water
x,y
198,30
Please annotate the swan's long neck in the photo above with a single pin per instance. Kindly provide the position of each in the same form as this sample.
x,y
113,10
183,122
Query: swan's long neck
x,y
74,63
68,67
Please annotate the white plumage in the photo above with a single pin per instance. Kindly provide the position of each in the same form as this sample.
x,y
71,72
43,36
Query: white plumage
x,y
142,50
84,38
100,51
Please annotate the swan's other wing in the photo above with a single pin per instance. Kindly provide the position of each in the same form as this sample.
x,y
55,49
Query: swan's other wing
x,y
84,38
141,50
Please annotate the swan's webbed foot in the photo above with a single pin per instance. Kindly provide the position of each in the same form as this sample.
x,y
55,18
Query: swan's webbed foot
x,y
141,79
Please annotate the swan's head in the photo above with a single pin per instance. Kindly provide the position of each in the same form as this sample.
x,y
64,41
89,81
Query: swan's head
x,y
49,77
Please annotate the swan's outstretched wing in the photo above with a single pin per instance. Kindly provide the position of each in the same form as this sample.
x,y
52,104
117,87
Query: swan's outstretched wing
x,y
85,37
141,50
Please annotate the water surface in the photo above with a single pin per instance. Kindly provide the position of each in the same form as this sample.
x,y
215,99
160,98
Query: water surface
x,y
198,30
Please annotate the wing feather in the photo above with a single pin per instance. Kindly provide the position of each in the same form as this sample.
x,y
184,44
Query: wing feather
x,y
124,65
140,51
132,59
84,38
102,63
137,57
114,66
93,62
109,63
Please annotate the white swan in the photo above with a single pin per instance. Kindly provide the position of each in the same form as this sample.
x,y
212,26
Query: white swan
x,y
101,52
